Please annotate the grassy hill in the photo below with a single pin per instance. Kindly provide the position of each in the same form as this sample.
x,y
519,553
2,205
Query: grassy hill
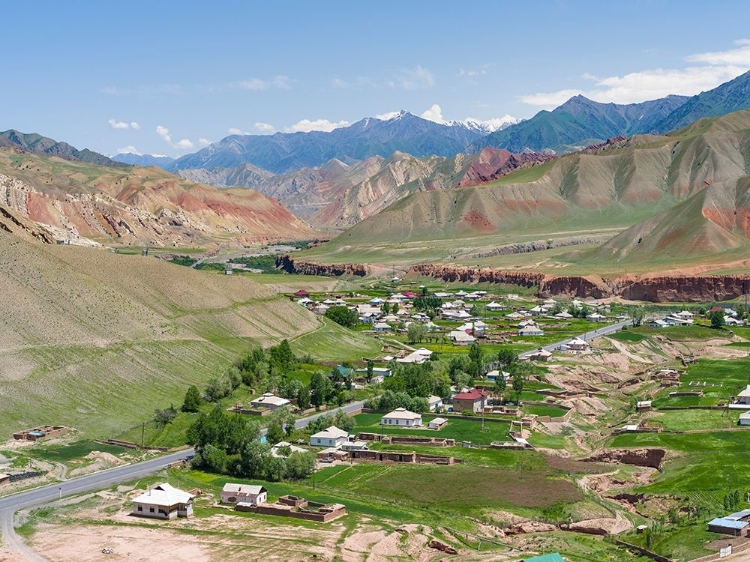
x,y
608,189
97,341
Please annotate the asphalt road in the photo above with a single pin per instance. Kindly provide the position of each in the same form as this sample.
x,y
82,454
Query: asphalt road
x,y
46,494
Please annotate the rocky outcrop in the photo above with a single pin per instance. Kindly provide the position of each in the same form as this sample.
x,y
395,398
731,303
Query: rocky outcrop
x,y
705,288
529,527
638,457
308,268
442,547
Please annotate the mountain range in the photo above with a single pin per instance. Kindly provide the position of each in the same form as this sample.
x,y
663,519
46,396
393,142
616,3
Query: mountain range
x,y
143,160
86,203
285,152
37,144
683,194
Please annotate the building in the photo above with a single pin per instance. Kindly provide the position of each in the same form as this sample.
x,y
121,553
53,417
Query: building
x,y
494,307
728,526
540,354
577,345
270,402
436,423
742,400
354,446
657,324
434,402
163,502
745,418
402,417
643,405
530,331
474,401
329,437
492,376
301,294
381,327
243,493
461,338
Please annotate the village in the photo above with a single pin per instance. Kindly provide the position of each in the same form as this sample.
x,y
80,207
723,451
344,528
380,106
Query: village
x,y
547,389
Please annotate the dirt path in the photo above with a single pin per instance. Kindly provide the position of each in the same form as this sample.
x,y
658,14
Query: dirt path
x,y
14,548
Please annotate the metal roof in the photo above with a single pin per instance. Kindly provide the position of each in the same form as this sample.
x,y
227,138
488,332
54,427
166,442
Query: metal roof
x,y
728,523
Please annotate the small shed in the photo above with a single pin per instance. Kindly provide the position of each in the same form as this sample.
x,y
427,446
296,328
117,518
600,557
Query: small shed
x,y
643,405
437,423
553,557
745,418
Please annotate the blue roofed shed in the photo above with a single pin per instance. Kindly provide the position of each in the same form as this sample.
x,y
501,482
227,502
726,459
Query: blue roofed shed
x,y
727,526
554,557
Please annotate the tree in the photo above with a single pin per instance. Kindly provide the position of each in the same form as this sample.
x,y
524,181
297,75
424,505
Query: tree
x,y
165,416
519,380
193,400
637,314
275,432
216,389
506,357
252,459
343,316
321,389
370,372
475,311
476,360
500,385
212,458
415,332
283,357
303,398
717,319
300,465
394,309
386,308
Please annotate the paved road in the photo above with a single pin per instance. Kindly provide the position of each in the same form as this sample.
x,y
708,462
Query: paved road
x,y
10,504
46,494
603,331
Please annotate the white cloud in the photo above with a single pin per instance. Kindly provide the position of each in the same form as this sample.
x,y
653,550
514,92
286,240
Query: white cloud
x,y
135,126
184,144
130,149
306,125
417,78
204,142
706,71
388,115
359,83
491,124
118,124
280,82
265,127
435,113
163,132
236,131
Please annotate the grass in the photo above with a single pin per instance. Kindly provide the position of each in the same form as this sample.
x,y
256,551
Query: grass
x,y
723,380
456,428
628,336
66,453
333,343
545,410
685,420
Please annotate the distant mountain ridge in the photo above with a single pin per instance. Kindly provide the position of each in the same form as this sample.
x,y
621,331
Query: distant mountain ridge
x,y
39,144
581,121
286,152
142,160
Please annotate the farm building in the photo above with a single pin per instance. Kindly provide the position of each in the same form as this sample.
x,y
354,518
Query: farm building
x,y
329,437
726,526
270,401
745,418
279,450
530,331
163,502
577,345
402,417
473,401
243,493
301,294
657,324
40,433
381,327
492,376
461,338
494,307
437,423
643,405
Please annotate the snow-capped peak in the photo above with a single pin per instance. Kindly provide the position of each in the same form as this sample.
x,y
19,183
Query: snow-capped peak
x,y
392,115
488,126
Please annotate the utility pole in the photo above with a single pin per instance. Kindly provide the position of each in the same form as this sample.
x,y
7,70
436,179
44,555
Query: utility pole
x,y
143,433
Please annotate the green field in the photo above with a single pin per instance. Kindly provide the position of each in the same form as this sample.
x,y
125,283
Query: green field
x,y
332,343
456,428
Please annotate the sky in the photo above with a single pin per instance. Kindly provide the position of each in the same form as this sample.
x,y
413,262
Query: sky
x,y
168,78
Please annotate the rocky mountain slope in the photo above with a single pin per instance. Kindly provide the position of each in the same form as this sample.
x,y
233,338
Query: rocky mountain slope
x,y
337,195
644,174
97,341
581,121
37,144
285,152
727,98
578,123
78,200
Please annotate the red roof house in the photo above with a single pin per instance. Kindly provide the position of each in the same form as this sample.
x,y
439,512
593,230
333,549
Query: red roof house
x,y
473,401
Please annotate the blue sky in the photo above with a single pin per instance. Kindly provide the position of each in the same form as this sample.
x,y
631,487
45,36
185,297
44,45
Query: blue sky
x,y
169,77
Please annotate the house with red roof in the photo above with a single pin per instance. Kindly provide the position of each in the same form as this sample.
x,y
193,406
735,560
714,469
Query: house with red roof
x,y
301,294
473,401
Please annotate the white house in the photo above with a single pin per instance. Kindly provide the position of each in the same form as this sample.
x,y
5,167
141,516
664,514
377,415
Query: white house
x,y
329,437
270,401
402,417
745,418
564,315
657,324
596,317
434,402
742,401
381,327
494,307
530,331
163,502
461,338
540,354
577,345
243,493
492,376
